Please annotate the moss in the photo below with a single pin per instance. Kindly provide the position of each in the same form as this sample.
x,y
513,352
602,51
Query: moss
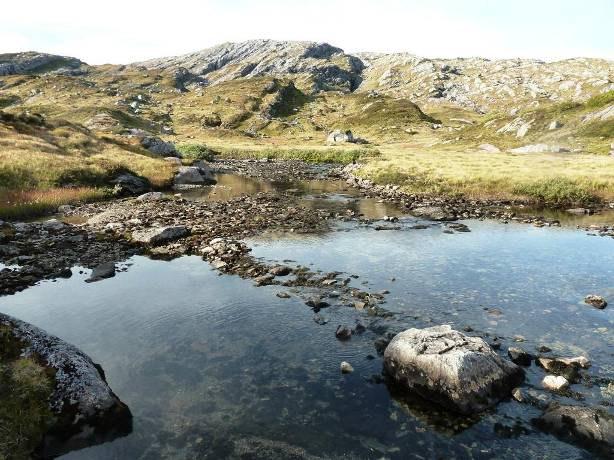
x,y
25,389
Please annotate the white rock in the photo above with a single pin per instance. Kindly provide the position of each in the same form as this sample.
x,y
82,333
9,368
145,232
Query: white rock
x,y
555,382
460,372
346,368
489,148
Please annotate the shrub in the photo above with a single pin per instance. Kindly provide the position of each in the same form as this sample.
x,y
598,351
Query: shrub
x,y
196,152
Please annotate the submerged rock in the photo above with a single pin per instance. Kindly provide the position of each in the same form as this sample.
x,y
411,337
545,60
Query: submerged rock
x,y
346,368
459,372
102,271
433,213
85,411
596,301
589,427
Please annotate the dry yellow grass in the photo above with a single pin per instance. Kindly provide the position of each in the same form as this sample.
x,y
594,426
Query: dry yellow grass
x,y
548,178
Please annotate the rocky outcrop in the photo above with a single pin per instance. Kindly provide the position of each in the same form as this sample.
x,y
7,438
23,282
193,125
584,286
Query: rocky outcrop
x,y
540,148
85,410
459,372
589,427
326,66
32,62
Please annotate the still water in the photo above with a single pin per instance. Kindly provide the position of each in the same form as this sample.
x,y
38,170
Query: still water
x,y
214,367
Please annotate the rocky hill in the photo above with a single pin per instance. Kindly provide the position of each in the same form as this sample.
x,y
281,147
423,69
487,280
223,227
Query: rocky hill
x,y
301,91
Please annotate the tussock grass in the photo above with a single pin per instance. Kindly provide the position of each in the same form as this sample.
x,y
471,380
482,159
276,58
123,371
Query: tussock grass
x,y
28,204
330,155
550,179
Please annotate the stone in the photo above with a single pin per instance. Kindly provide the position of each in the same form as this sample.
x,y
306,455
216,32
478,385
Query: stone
x,y
159,147
85,409
102,271
343,332
280,270
339,137
519,356
489,148
436,213
151,196
555,124
540,148
588,427
194,175
174,160
577,211
159,235
596,301
555,383
346,368
459,372
129,184
567,367
54,225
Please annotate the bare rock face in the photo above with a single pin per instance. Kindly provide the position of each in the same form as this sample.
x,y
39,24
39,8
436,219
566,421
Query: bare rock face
x,y
86,410
589,427
33,62
459,372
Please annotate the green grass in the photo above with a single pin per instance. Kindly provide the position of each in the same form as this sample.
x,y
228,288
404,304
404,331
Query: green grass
x,y
25,389
331,155
601,100
195,152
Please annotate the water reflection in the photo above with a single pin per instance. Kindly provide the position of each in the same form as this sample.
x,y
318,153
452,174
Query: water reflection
x,y
333,196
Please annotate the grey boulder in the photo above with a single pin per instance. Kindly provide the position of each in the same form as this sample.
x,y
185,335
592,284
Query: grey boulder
x,y
436,213
159,235
129,184
198,175
459,372
101,272
159,147
85,409
589,427
340,137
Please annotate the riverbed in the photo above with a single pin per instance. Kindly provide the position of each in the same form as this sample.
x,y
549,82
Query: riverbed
x,y
212,366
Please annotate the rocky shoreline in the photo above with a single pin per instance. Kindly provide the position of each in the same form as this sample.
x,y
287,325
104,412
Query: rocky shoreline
x,y
163,226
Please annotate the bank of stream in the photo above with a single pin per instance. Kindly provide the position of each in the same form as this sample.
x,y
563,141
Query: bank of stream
x,y
217,367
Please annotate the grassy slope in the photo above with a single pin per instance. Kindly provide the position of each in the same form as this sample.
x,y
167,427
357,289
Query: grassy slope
x,y
258,120
48,156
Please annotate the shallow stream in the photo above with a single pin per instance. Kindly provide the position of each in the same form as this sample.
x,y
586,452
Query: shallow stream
x,y
213,367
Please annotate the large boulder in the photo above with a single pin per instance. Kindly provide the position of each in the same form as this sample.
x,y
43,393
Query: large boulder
x,y
129,184
159,147
589,427
197,175
160,235
340,137
540,148
83,410
459,372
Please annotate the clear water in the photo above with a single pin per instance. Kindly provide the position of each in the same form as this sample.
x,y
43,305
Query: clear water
x,y
206,361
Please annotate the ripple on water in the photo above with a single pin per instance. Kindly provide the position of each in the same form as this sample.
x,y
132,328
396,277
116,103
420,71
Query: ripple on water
x,y
203,360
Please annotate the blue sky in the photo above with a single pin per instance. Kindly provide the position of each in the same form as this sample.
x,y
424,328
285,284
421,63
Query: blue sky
x,y
121,31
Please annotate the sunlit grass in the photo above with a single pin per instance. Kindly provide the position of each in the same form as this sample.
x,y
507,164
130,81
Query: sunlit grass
x,y
28,204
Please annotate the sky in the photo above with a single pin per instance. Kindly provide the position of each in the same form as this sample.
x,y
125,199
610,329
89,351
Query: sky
x,y
123,31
